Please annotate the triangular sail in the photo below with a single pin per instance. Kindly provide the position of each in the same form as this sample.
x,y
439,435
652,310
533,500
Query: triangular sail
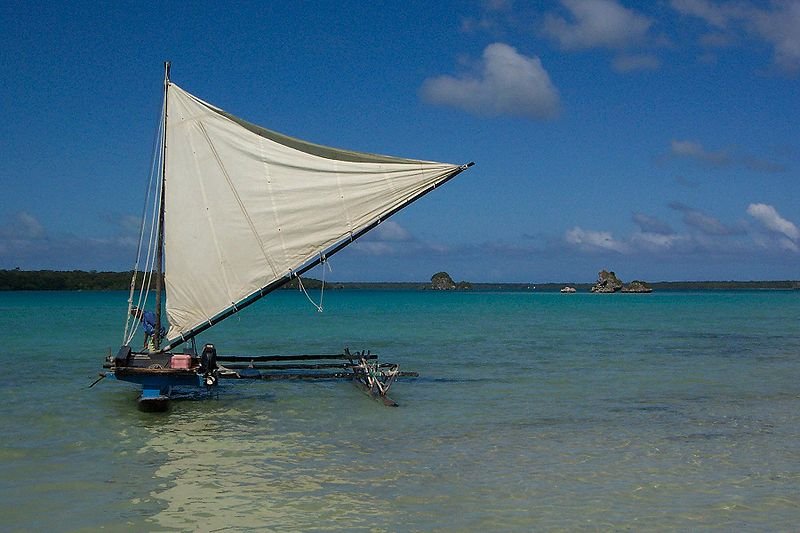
x,y
246,207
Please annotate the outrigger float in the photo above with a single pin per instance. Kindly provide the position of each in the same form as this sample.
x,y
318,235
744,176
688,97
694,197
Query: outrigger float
x,y
234,211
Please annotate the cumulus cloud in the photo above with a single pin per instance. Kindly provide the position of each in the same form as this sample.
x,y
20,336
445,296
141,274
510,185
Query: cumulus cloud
x,y
695,150
26,243
776,23
781,28
594,240
705,237
702,222
596,23
22,226
656,241
390,230
505,83
769,217
722,158
630,62
649,224
717,15
390,239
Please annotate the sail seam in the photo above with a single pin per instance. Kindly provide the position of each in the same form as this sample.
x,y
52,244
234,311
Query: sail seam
x,y
239,201
342,201
275,214
211,227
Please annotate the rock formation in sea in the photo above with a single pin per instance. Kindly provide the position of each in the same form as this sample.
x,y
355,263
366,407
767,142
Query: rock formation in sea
x,y
637,286
609,282
606,282
441,281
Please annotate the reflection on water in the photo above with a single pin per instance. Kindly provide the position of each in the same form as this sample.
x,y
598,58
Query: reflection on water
x,y
230,466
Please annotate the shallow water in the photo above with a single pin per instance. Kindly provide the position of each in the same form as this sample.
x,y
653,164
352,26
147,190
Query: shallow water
x,y
534,411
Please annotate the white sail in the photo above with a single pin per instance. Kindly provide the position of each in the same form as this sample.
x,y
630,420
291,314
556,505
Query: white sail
x,y
245,206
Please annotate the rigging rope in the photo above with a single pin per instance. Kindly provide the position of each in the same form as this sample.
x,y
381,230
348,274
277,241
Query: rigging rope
x,y
130,323
324,262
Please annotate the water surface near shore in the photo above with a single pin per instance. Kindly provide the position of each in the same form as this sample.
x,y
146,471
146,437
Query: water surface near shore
x,y
674,410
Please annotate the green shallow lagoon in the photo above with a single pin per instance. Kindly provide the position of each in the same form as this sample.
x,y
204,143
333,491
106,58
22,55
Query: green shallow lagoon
x,y
535,411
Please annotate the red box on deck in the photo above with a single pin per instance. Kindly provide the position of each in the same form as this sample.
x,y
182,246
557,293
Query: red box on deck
x,y
181,361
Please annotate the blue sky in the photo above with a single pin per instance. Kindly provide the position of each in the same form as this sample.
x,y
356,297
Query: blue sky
x,y
657,139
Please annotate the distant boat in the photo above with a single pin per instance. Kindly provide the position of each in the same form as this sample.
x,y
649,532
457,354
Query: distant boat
x,y
568,290
237,212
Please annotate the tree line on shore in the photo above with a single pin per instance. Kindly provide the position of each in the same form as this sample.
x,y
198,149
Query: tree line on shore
x,y
58,280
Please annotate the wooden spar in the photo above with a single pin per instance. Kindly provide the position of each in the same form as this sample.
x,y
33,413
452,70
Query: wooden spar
x,y
303,357
160,242
311,264
388,402
278,376
362,368
314,366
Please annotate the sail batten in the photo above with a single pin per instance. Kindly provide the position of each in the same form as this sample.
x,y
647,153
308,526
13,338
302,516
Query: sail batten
x,y
247,208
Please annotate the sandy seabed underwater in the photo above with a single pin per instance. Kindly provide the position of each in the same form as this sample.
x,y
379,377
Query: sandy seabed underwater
x,y
534,411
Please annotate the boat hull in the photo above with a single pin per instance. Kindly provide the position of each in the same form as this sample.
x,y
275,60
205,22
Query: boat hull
x,y
153,401
158,375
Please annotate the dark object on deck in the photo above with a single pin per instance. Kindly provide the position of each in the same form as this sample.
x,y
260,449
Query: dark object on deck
x,y
122,357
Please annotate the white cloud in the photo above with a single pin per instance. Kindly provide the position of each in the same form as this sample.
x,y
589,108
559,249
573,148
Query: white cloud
x,y
506,83
704,223
598,240
375,247
777,23
650,224
596,23
388,238
723,158
705,239
769,217
717,15
630,62
787,244
781,28
655,241
390,230
22,226
695,150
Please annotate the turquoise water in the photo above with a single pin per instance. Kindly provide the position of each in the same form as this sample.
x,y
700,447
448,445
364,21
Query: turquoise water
x,y
535,411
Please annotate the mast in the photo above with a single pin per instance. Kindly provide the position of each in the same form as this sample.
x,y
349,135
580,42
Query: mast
x,y
160,243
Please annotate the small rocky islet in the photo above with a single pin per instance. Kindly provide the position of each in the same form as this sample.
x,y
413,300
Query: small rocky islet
x,y
608,282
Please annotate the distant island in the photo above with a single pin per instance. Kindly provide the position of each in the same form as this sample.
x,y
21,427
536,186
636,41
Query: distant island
x,y
72,280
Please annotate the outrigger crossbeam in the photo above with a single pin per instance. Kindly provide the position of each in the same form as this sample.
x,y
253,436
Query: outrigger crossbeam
x,y
361,367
